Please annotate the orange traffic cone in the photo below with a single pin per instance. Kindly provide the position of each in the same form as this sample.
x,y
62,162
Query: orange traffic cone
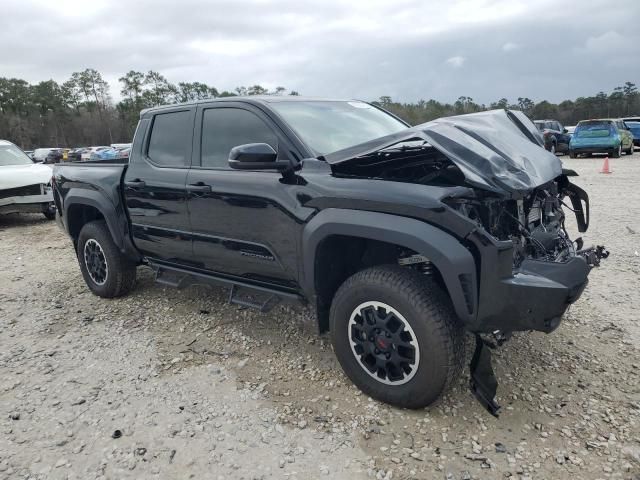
x,y
605,166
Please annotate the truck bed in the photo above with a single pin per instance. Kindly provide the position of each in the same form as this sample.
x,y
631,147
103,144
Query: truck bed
x,y
94,187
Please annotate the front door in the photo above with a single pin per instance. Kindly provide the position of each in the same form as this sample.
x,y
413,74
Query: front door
x,y
154,185
243,222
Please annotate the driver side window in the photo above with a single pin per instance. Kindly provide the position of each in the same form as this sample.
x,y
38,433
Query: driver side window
x,y
224,128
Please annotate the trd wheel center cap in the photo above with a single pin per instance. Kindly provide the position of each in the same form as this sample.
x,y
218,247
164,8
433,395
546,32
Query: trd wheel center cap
x,y
382,343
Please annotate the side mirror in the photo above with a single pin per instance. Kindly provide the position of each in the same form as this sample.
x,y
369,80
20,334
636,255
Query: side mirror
x,y
256,156
564,130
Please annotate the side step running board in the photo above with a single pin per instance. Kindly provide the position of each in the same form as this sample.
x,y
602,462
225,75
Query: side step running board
x,y
177,277
263,307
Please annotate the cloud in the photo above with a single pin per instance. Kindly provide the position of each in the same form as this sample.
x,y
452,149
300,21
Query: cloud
x,y
359,49
456,61
607,42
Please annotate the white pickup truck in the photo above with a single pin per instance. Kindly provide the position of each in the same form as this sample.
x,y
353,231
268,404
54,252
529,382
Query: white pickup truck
x,y
25,186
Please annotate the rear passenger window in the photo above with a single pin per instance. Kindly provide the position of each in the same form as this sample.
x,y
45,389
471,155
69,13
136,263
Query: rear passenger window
x,y
225,128
170,140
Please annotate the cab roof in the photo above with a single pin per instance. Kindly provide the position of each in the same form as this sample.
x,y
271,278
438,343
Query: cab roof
x,y
255,99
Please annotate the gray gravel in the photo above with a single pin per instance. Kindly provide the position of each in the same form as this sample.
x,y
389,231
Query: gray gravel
x,y
179,384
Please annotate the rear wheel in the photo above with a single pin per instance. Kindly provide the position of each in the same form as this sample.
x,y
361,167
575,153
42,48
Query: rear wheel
x,y
106,271
630,151
396,336
616,153
572,154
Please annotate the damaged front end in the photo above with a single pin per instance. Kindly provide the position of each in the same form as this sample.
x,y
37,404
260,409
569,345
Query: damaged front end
x,y
528,268
548,270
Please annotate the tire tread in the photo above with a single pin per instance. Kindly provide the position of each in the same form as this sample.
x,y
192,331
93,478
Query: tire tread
x,y
426,297
124,270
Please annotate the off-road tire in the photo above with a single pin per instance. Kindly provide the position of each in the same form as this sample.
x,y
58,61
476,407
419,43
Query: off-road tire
x,y
121,272
427,309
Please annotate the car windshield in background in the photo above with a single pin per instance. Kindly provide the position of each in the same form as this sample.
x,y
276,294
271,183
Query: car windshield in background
x,y
329,126
12,155
593,129
635,128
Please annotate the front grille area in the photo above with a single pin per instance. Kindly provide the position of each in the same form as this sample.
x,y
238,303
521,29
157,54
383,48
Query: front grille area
x,y
21,191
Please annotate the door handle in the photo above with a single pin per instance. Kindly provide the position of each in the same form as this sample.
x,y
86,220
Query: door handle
x,y
137,183
199,187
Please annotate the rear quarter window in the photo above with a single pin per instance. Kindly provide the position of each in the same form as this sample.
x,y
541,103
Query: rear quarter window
x,y
170,139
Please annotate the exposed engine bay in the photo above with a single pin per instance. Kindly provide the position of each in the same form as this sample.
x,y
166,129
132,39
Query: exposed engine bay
x,y
535,224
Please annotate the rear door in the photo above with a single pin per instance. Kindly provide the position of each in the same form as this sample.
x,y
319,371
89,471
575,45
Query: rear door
x,y
154,185
243,222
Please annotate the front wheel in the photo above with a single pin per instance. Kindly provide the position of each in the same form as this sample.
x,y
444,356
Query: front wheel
x,y
572,154
49,212
630,151
396,336
106,271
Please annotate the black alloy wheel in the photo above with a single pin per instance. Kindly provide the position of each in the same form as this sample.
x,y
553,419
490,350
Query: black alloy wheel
x,y
384,343
96,262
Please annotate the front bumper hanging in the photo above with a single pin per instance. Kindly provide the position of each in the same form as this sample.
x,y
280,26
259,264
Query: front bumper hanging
x,y
483,381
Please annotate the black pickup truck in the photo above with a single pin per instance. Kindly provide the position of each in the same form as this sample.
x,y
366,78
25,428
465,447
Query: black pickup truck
x,y
400,238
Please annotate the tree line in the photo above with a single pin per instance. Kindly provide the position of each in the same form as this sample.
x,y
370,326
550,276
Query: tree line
x,y
621,102
81,111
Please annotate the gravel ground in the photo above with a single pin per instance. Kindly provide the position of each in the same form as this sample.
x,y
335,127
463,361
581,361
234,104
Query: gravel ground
x,y
179,384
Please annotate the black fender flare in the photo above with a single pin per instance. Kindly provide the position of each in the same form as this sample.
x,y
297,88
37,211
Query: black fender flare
x,y
98,200
454,262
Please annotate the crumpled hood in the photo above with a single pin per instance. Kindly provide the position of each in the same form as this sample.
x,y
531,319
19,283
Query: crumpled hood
x,y
13,176
498,150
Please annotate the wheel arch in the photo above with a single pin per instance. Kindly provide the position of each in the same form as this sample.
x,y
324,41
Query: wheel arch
x,y
86,206
453,261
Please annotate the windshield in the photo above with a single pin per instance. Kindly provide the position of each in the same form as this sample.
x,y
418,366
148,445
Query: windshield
x,y
634,127
329,126
594,129
12,155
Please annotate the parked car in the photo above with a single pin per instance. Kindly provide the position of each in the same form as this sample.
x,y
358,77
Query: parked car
x,y
25,186
86,155
40,154
105,154
610,136
634,128
570,130
75,154
55,155
556,137
401,238
123,153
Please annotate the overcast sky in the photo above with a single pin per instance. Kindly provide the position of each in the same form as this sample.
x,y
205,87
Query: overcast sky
x,y
407,49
